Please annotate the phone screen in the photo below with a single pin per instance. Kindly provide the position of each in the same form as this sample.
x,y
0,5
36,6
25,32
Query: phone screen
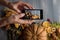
x,y
33,14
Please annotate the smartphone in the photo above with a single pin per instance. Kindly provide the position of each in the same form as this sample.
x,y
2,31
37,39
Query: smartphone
x,y
33,14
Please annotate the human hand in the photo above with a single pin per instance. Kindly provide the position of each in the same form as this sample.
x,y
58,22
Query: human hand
x,y
18,6
16,19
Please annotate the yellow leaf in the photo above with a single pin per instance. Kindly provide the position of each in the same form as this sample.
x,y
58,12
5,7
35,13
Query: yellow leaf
x,y
17,25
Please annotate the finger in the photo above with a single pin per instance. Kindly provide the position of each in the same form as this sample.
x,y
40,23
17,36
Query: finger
x,y
32,21
28,5
25,21
17,10
20,15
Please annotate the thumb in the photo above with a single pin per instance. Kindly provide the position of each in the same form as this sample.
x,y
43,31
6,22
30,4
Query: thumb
x,y
17,10
20,15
